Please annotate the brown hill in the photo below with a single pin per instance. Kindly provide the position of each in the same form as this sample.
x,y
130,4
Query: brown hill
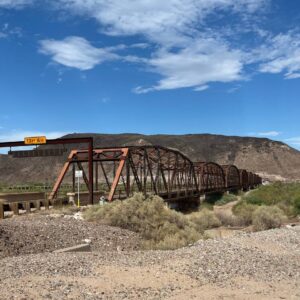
x,y
274,160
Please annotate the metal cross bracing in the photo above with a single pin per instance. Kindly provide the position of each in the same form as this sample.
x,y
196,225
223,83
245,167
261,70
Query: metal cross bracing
x,y
232,177
121,171
210,177
244,179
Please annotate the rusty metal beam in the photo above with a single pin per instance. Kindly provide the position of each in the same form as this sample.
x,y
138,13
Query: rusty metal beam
x,y
117,178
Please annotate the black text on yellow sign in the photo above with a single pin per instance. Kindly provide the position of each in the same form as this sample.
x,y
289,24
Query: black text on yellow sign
x,y
35,140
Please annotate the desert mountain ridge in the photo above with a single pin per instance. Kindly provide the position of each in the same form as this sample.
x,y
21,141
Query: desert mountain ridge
x,y
271,159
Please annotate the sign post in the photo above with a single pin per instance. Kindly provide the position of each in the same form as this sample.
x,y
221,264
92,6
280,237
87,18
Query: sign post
x,y
78,175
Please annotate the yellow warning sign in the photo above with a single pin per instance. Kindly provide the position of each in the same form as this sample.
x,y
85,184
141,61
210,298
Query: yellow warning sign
x,y
35,140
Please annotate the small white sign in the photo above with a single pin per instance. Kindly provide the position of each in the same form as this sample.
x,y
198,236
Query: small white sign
x,y
78,174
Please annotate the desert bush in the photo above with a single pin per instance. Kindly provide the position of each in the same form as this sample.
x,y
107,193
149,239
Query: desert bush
x,y
244,211
226,218
159,226
204,219
267,217
287,208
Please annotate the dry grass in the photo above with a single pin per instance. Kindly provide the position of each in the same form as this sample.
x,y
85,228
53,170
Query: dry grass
x,y
204,219
159,226
268,217
226,218
244,212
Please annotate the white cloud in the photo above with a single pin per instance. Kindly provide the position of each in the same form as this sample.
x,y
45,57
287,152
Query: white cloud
x,y
14,3
201,88
184,54
142,90
281,53
163,21
204,61
75,52
234,89
272,133
187,51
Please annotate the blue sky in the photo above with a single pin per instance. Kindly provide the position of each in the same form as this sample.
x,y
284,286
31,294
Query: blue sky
x,y
184,66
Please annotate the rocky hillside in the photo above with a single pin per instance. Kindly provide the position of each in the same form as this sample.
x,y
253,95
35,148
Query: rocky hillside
x,y
274,160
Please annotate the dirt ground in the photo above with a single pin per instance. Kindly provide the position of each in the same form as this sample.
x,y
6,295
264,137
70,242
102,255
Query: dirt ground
x,y
262,265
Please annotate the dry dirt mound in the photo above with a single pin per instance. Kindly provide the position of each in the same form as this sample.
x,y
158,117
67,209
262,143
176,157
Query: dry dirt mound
x,y
45,233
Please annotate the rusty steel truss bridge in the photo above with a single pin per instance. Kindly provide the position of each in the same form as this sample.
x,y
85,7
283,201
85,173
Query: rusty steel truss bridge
x,y
119,172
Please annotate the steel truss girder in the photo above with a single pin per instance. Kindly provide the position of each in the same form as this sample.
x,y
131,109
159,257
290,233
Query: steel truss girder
x,y
148,169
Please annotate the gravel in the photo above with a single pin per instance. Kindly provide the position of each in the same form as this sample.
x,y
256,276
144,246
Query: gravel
x,y
263,265
45,233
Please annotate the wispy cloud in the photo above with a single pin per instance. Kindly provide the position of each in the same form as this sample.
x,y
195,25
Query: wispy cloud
x,y
15,3
8,31
293,141
184,56
281,53
203,61
183,47
234,89
160,21
75,52
201,88
272,133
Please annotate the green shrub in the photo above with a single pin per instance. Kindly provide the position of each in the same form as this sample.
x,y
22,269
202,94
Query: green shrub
x,y
159,226
204,219
207,205
226,198
267,217
244,212
284,195
296,204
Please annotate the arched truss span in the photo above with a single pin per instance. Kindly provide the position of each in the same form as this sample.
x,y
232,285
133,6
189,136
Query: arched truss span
x,y
244,179
232,177
210,177
149,169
